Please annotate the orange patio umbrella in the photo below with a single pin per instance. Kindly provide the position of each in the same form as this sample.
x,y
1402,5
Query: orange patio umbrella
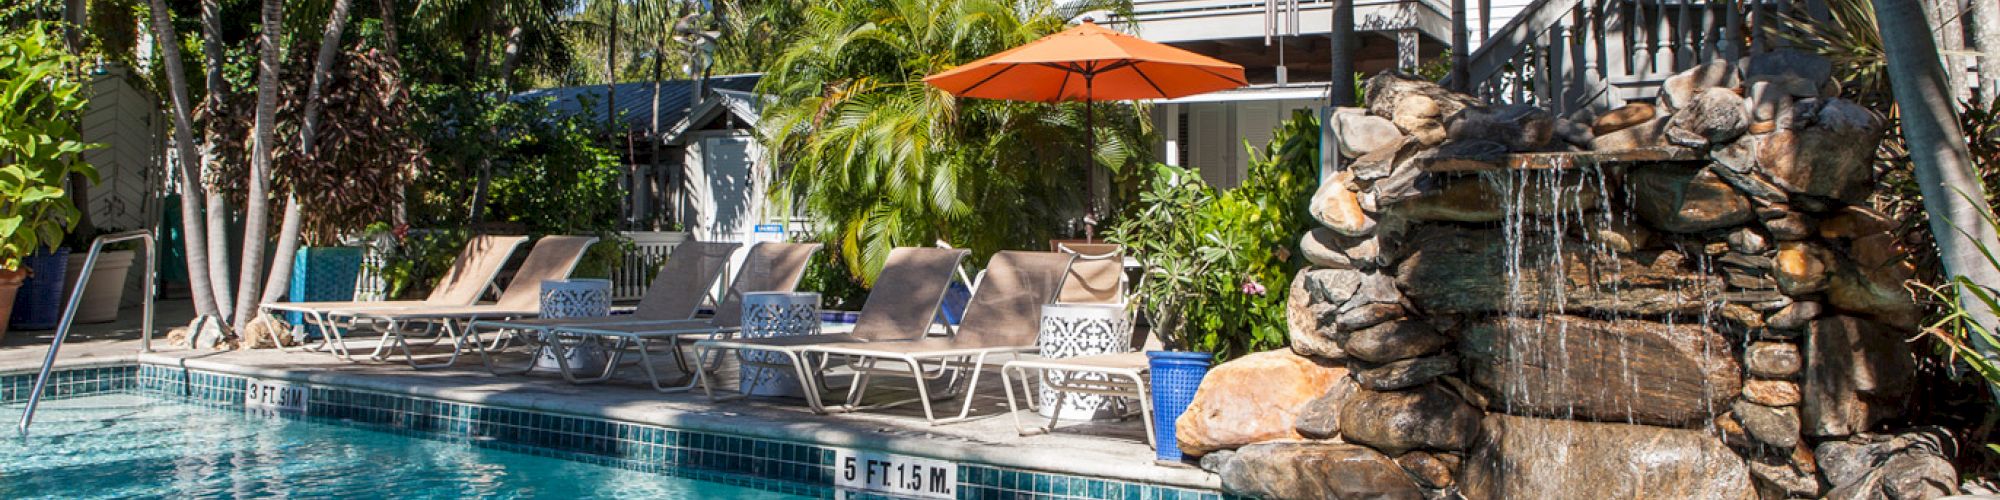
x,y
1089,63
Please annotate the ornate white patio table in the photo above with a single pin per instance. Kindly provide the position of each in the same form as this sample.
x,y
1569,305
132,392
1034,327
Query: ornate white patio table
x,y
574,298
775,314
1073,330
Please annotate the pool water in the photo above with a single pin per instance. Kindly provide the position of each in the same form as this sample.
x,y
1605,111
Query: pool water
x,y
126,446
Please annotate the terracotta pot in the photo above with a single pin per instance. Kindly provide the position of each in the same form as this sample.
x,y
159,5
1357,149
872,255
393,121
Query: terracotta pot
x,y
106,290
10,281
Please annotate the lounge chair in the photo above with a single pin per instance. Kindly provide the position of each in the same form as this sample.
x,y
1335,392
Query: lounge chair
x,y
676,294
1097,276
903,305
553,258
1003,317
1117,374
463,283
769,267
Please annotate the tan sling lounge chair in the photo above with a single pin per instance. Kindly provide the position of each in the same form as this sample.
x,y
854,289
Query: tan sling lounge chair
x,y
1003,317
676,294
770,267
553,258
462,285
1096,277
902,306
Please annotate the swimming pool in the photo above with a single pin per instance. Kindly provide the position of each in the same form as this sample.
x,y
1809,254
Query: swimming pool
x,y
125,445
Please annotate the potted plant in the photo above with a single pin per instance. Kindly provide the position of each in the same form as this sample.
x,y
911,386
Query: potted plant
x,y
106,291
40,146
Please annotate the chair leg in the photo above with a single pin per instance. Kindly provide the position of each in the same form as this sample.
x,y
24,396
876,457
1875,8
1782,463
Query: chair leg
x,y
1146,411
971,386
1013,410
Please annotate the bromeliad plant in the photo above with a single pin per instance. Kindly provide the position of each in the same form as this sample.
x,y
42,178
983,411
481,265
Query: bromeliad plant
x,y
1218,261
41,97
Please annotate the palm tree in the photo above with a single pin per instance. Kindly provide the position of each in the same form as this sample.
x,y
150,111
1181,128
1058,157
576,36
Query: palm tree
x,y
256,207
885,160
1959,214
194,237
288,232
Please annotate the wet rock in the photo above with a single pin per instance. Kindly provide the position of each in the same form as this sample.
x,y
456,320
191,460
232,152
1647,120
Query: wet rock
x,y
1214,462
1524,457
1846,461
1316,471
1474,199
1801,267
1621,235
1774,426
1625,370
1773,359
1684,200
1679,90
1627,116
1253,399
1825,149
1406,373
1426,417
1432,470
1771,392
1796,316
1857,373
1516,127
1778,478
1714,116
1337,207
1790,226
1320,419
1464,271
1902,476
1749,241
1361,134
1369,315
1574,134
1649,134
1324,247
1394,341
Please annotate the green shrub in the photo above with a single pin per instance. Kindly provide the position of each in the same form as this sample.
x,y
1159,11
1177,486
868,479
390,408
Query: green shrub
x,y
1218,264
41,97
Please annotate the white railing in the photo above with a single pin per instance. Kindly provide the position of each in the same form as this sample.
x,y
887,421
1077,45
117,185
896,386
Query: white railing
x,y
1573,54
636,268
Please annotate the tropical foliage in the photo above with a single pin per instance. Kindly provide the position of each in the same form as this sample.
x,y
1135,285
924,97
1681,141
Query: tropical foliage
x,y
883,160
1218,264
549,174
41,97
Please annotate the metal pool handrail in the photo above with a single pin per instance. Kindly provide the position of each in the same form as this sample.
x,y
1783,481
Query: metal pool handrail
x,y
76,296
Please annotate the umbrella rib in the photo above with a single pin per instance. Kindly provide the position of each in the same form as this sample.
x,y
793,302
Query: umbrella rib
x,y
1065,81
1220,75
988,78
1149,80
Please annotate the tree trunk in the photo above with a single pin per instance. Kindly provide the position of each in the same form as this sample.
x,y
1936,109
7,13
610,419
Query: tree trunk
x,y
214,205
1986,39
193,236
510,56
256,205
390,44
1953,196
288,231
1342,47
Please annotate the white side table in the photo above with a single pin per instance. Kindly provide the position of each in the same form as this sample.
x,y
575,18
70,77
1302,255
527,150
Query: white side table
x,y
775,314
1076,330
574,298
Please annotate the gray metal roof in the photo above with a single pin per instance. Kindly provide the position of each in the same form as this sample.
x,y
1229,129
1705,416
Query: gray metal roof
x,y
635,99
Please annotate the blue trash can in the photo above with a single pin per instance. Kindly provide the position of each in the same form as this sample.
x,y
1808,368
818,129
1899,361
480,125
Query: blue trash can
x,y
39,305
322,274
1176,375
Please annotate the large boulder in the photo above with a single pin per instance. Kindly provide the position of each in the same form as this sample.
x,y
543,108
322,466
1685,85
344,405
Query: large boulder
x,y
1388,342
1325,247
1426,417
1387,89
1824,147
1517,127
1294,470
1362,133
1679,91
1857,373
1628,116
1468,198
1651,133
1686,200
1253,399
1525,457
1715,116
1465,271
1623,371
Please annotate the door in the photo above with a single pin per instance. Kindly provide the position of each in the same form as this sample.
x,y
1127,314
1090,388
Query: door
x,y
728,191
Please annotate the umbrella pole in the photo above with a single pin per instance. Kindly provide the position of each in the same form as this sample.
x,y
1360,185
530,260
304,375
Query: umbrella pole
x,y
1089,162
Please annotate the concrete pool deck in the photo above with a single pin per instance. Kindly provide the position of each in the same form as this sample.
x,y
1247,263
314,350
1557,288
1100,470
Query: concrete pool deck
x,y
1106,449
